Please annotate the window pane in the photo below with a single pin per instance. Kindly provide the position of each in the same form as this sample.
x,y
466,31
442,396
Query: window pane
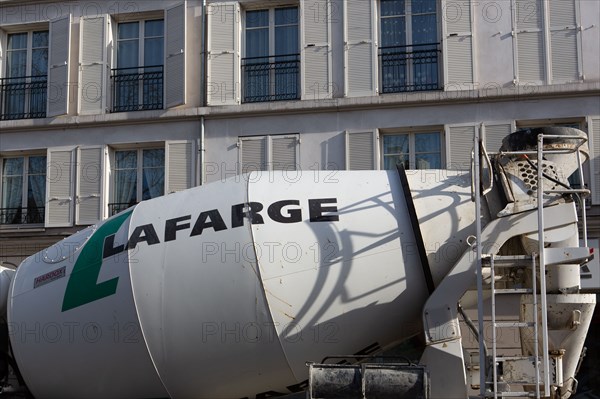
x,y
16,63
427,142
13,166
424,29
12,184
393,32
39,62
284,16
126,159
393,7
36,198
154,183
258,18
127,54
154,28
153,51
257,42
37,165
126,186
395,144
423,6
428,161
286,40
154,158
390,161
128,30
40,39
17,41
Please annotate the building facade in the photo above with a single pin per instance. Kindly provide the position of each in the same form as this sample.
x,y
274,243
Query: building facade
x,y
106,104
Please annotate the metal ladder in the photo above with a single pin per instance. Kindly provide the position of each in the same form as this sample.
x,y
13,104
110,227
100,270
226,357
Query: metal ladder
x,y
536,263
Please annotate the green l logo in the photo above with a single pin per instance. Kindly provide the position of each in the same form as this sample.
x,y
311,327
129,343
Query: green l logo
x,y
82,287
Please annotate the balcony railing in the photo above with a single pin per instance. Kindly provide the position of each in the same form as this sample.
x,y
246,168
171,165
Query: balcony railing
x,y
271,78
23,97
410,68
117,207
30,215
137,89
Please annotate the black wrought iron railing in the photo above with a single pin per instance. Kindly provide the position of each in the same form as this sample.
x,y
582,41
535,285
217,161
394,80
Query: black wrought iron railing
x,y
137,89
116,207
410,68
23,97
271,78
29,215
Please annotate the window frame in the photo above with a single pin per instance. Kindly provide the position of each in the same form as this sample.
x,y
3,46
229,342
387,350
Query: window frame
x,y
25,183
412,133
271,51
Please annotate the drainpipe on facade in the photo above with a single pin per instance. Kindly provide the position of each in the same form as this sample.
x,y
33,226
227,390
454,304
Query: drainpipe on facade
x,y
203,85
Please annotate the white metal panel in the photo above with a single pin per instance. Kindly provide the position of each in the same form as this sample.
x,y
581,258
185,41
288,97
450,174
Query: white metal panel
x,y
531,57
223,67
59,187
175,21
361,150
89,204
180,165
360,48
92,64
460,139
59,65
316,49
284,153
253,154
494,133
594,133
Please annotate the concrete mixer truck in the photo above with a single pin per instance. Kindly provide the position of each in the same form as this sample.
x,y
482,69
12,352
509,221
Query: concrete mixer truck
x,y
267,284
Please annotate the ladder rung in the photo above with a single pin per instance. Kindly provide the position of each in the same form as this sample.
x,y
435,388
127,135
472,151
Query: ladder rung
x,y
513,358
516,394
514,324
513,291
507,260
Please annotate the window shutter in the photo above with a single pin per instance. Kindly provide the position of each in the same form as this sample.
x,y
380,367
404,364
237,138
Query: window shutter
x,y
361,150
59,187
458,45
284,152
530,52
90,181
594,135
493,134
253,154
460,144
93,65
58,73
564,41
316,50
223,53
360,48
180,165
175,55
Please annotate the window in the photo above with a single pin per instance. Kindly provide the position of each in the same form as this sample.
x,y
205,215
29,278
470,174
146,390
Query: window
x,y
409,45
24,86
138,78
271,65
279,152
138,175
23,190
413,150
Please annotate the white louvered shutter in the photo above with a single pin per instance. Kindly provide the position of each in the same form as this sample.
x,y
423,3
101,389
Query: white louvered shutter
x,y
58,73
175,18
460,143
180,165
494,133
458,44
284,153
59,187
530,50
316,50
89,204
564,41
361,150
3,46
223,67
92,64
594,135
360,48
253,154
